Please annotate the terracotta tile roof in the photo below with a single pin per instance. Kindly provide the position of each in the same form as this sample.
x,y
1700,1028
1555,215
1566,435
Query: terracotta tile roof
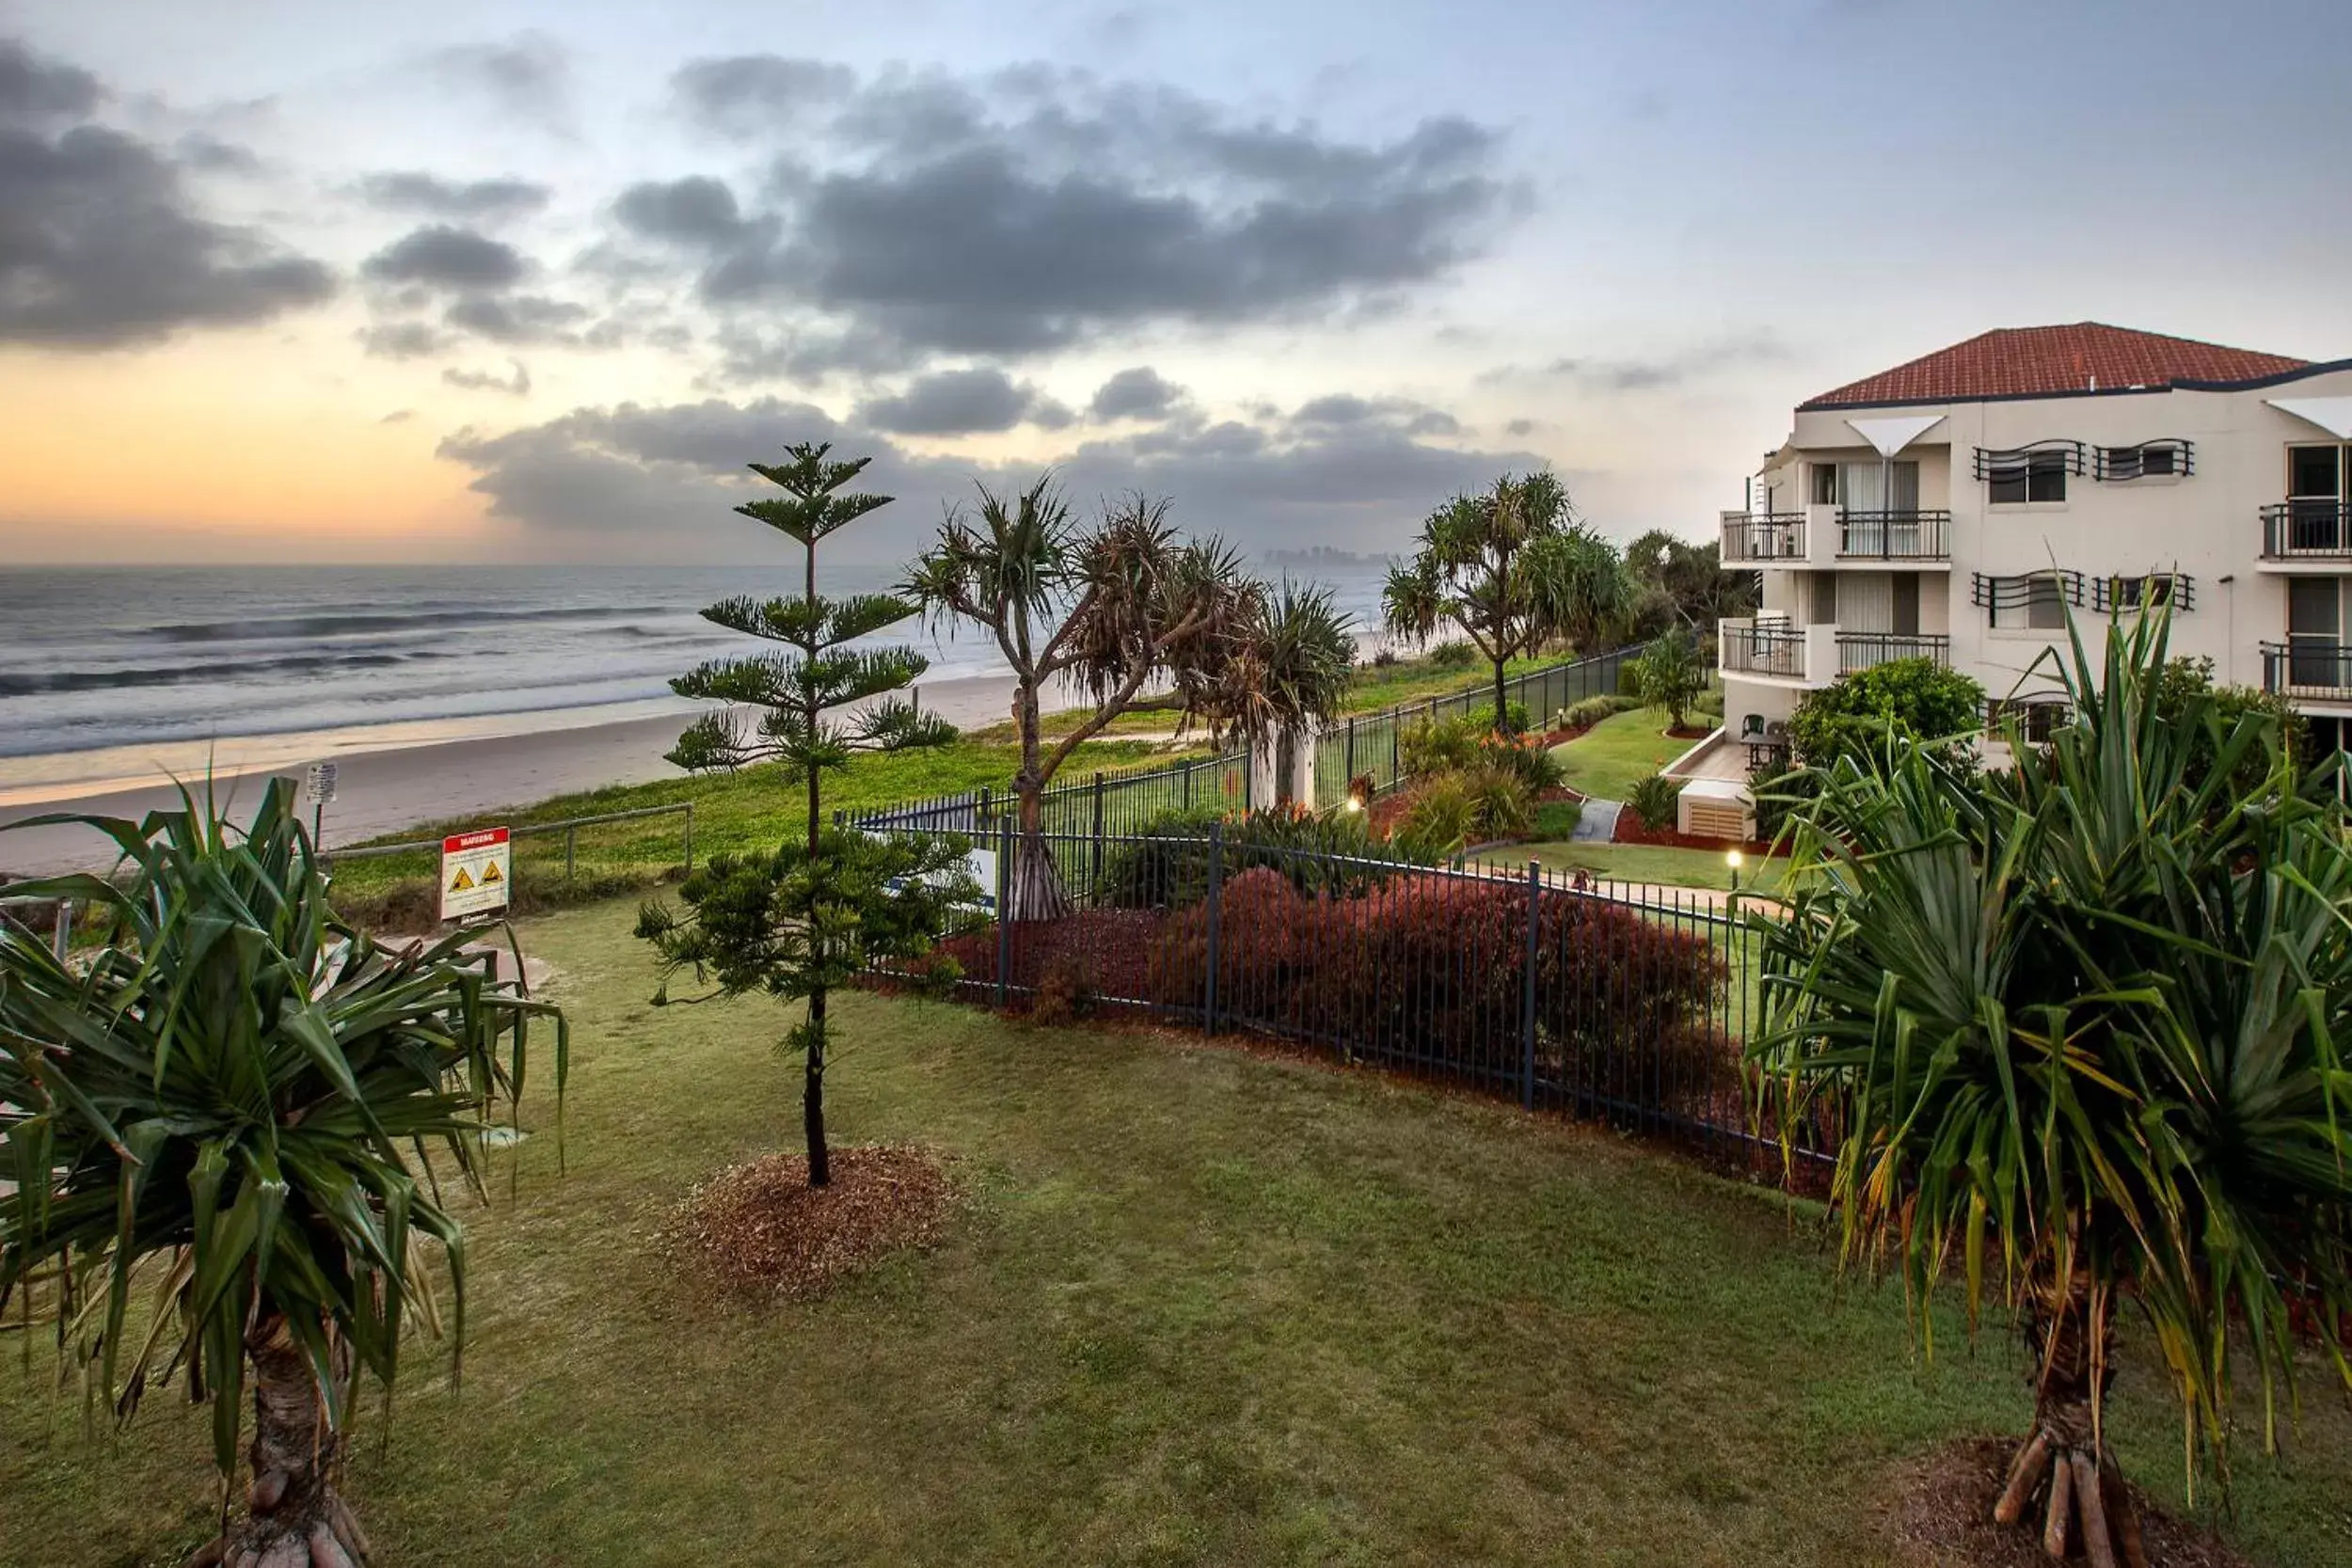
x,y
2036,361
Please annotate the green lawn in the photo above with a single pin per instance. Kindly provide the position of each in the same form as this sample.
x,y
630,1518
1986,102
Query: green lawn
x,y
1409,680
1609,759
751,809
1650,862
1203,1305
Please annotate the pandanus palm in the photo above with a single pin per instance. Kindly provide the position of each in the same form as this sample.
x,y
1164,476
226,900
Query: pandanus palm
x,y
217,1125
1297,659
2084,1027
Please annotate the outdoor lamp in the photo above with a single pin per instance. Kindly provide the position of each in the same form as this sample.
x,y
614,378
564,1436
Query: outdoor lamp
x,y
1354,805
1733,859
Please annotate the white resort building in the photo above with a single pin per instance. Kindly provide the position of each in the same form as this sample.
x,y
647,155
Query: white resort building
x,y
1956,507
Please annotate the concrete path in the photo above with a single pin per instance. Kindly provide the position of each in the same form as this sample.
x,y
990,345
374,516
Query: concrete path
x,y
1599,823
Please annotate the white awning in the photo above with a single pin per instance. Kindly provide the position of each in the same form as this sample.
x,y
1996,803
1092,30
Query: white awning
x,y
1892,436
2332,415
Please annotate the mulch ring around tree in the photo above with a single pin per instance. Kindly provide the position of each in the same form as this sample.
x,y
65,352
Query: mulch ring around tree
x,y
761,1233
1942,1515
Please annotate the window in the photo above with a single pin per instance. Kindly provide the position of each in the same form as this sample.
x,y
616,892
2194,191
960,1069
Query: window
x,y
2034,718
1825,483
2149,460
2046,607
2314,473
2039,477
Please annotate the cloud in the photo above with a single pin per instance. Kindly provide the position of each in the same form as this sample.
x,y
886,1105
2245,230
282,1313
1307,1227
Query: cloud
x,y
523,319
1403,414
657,482
962,403
443,257
473,200
697,211
528,76
752,93
515,385
1022,212
1137,393
101,242
398,416
1658,372
401,341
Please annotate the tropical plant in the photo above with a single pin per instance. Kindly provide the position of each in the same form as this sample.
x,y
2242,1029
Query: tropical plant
x,y
2185,681
797,689
1657,801
1513,569
1127,611
1677,583
2081,1027
1670,675
807,920
1429,744
223,1111
1166,865
1294,668
1857,715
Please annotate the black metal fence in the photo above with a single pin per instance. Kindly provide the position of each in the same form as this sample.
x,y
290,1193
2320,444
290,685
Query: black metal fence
x,y
1618,1002
1368,745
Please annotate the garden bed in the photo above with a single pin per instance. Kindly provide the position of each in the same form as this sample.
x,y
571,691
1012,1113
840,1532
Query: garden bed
x,y
1630,830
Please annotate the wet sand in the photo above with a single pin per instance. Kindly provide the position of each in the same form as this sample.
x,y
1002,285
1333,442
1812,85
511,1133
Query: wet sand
x,y
384,791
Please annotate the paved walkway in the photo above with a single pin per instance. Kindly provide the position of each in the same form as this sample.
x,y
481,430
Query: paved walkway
x,y
1599,823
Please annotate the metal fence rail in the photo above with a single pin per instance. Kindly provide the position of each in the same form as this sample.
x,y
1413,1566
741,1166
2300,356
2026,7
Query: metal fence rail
x,y
1125,800
569,827
1624,1003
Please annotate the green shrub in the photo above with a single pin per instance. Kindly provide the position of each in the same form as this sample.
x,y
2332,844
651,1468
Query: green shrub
x,y
1166,865
1526,759
1453,656
1669,675
1854,716
1504,803
1557,819
1386,658
1623,704
1586,713
1441,818
1655,800
1432,746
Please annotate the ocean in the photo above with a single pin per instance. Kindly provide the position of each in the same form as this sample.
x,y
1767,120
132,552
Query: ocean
x,y
107,672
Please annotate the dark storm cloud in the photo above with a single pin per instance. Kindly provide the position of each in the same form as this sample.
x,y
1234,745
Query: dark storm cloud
x,y
1137,393
753,93
528,76
443,257
961,402
1028,209
401,341
101,242
473,200
1413,419
662,479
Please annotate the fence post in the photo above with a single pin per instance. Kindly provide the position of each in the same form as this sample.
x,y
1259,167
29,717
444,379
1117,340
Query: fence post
x,y
1004,915
689,837
1351,751
1527,1001
1097,878
571,842
1216,903
1188,786
982,820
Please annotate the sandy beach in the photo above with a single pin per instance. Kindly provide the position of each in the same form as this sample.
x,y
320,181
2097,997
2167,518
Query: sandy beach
x,y
384,789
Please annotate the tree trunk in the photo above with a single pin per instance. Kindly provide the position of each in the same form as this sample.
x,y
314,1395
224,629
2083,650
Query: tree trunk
x,y
2063,1478
1285,765
1033,889
1502,710
294,1518
813,1093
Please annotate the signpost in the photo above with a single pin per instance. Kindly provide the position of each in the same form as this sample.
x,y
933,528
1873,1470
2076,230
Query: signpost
x,y
476,869
319,785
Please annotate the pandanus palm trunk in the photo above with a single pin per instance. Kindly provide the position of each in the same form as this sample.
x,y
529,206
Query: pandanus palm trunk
x,y
294,1518
1033,889
2064,1477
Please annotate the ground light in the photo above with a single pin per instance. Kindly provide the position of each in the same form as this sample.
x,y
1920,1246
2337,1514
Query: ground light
x,y
1733,859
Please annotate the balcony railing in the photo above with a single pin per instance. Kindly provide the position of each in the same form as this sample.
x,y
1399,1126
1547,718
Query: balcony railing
x,y
2307,531
1862,650
1912,535
1766,649
1747,537
2309,667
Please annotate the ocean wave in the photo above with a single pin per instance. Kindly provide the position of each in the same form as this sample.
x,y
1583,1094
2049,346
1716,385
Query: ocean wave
x,y
47,681
287,626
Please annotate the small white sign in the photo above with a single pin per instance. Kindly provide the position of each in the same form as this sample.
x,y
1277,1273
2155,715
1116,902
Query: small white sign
x,y
319,785
978,864
476,869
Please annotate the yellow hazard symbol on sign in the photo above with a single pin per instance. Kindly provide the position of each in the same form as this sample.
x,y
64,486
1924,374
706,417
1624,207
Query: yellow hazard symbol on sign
x,y
489,872
460,882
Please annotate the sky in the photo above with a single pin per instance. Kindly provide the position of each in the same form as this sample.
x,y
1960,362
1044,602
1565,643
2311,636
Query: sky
x,y
501,282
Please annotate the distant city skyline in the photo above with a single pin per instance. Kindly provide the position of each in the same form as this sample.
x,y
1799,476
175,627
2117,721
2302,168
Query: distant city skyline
x,y
532,281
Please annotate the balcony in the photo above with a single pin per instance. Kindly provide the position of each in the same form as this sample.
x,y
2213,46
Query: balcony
x,y
1823,535
1749,539
1863,650
1774,650
2309,669
2317,533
